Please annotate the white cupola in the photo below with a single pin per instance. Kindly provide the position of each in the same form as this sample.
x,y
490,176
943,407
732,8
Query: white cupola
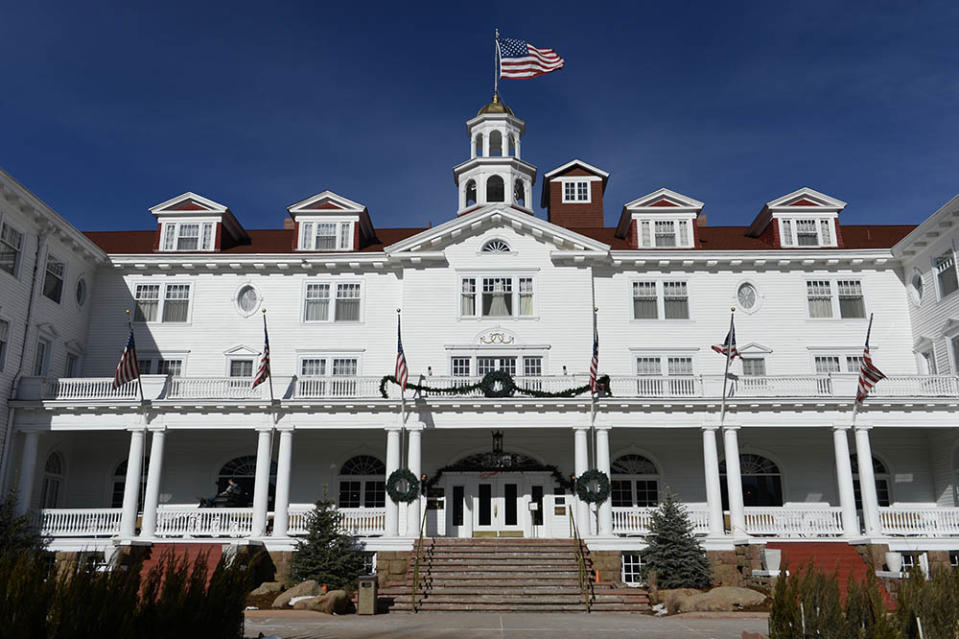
x,y
495,173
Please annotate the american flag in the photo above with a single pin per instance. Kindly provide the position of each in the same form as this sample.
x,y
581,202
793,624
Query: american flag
x,y
594,364
402,373
128,369
263,372
728,347
868,373
520,59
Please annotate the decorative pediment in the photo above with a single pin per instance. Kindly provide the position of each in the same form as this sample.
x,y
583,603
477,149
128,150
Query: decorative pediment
x,y
805,199
494,216
325,202
240,350
923,344
754,348
666,201
576,164
189,203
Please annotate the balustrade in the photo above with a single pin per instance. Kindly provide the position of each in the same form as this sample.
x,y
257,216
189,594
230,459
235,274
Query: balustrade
x,y
919,521
67,388
629,521
363,522
192,521
80,522
794,521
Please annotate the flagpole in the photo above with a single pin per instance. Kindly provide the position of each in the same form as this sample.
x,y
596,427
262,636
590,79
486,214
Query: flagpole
x,y
496,63
139,381
269,371
402,389
855,402
594,393
729,352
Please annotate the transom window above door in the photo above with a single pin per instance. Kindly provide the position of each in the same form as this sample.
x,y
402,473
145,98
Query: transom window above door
x,y
496,296
479,365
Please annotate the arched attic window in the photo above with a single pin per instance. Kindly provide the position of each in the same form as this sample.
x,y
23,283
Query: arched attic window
x,y
882,481
470,192
496,246
362,483
478,145
519,192
634,482
762,481
495,189
495,143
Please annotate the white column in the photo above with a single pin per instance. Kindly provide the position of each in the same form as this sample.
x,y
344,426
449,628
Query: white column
x,y
847,497
602,464
392,464
281,504
151,500
261,482
131,485
28,471
414,463
734,482
580,466
714,494
867,482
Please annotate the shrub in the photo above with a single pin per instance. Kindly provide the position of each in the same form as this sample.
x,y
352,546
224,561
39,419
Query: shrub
x,y
18,535
673,552
326,554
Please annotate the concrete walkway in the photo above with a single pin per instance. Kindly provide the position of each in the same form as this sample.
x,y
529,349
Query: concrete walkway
x,y
478,625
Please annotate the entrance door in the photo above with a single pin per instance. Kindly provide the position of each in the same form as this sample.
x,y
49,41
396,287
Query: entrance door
x,y
498,508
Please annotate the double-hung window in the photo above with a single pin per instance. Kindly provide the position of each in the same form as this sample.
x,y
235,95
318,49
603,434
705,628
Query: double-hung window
x,y
11,244
946,277
676,369
843,299
167,303
187,236
338,302
665,234
754,367
326,236
576,191
807,232
660,300
486,365
53,279
159,365
41,361
498,296
320,373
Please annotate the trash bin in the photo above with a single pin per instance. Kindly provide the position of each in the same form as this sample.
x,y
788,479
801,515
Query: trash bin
x,y
366,596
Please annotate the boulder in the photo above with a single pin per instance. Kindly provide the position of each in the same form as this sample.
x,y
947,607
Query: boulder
x,y
267,587
307,603
672,598
337,602
722,599
307,588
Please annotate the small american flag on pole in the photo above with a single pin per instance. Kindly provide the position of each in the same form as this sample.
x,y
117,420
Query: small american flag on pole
x,y
402,373
869,375
594,363
263,372
728,347
519,59
128,369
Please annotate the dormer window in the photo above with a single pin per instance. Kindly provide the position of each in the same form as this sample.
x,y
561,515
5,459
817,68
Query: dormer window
x,y
655,233
326,236
806,232
187,236
576,191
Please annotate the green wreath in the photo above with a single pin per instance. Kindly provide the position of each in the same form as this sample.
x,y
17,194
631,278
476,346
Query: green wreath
x,y
504,379
412,486
592,486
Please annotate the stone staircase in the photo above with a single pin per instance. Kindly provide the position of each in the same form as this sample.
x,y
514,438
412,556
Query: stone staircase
x,y
506,575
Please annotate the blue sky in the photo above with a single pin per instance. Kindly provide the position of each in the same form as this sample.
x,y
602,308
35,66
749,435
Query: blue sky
x,y
108,109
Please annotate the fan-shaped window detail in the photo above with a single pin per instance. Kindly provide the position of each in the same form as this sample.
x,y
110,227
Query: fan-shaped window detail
x,y
242,470
496,246
495,190
634,482
362,483
882,481
120,480
762,481
52,479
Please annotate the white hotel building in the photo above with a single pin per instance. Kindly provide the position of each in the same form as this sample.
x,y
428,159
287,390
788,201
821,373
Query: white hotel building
x,y
493,288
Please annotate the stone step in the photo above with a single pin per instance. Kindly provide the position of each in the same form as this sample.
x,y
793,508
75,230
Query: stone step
x,y
486,607
510,581
495,569
562,597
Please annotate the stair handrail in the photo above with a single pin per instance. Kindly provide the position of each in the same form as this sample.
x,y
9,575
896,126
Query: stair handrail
x,y
416,561
580,560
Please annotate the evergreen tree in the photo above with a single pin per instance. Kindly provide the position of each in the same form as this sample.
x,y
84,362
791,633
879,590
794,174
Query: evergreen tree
x,y
674,553
326,554
17,534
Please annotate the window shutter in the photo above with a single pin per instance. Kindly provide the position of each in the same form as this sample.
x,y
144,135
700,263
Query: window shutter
x,y
306,236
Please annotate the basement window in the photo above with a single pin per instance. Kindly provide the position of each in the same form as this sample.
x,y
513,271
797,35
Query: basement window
x,y
632,569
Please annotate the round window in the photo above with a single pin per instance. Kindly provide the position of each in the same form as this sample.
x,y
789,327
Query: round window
x,y
915,289
747,296
81,292
247,299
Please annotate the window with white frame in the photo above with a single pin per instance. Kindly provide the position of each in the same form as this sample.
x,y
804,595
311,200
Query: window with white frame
x,y
325,365
806,232
72,367
11,245
4,340
514,364
668,233
837,363
754,367
660,300
486,365
576,191
326,302
840,299
241,367
499,296
362,483
461,366
159,365
41,361
188,236
53,279
634,482
927,361
677,367
665,234
167,302
633,569
947,281
333,235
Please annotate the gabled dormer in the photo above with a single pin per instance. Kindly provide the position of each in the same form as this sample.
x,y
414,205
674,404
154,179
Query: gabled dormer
x,y
191,222
661,219
328,222
802,219
573,195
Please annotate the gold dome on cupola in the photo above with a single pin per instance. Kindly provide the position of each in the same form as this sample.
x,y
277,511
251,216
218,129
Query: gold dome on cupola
x,y
496,106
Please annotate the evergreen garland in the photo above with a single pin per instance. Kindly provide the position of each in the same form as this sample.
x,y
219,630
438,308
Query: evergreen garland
x,y
487,385
326,554
674,553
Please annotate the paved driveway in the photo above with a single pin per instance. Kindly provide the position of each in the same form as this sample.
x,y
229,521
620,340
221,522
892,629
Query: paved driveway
x,y
477,625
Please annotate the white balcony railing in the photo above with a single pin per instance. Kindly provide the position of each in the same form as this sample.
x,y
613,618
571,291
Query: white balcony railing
x,y
922,521
782,386
337,386
630,521
80,522
363,522
192,521
654,386
215,388
794,521
66,388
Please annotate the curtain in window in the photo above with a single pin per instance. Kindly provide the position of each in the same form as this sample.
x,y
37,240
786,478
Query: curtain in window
x,y
325,236
851,303
468,297
827,364
207,242
497,297
676,302
787,229
665,234
317,307
644,233
754,367
176,303
806,233
169,236
313,367
826,230
644,300
347,302
819,295
525,296
172,367
188,238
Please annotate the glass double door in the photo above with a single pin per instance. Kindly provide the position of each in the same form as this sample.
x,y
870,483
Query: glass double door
x,y
497,506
